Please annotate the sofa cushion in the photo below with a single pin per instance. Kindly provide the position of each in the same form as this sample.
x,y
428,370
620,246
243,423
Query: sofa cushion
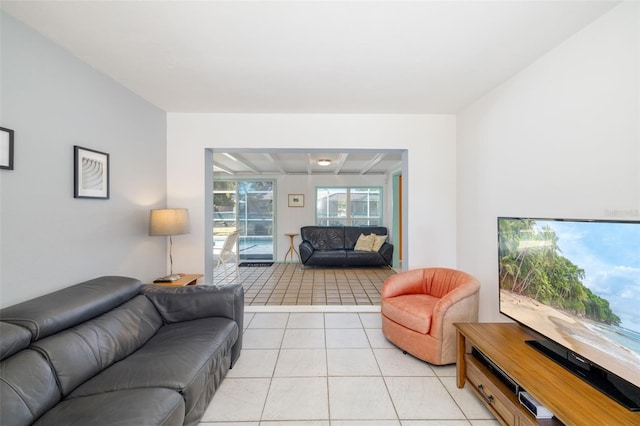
x,y
100,342
28,388
53,312
135,407
325,237
329,258
181,356
14,338
364,258
413,311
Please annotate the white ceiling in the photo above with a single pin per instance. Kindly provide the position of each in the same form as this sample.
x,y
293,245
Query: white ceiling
x,y
308,56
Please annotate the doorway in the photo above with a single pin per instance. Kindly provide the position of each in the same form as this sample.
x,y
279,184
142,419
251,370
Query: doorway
x,y
245,206
282,165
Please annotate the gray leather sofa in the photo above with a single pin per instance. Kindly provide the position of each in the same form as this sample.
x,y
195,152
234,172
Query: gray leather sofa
x,y
112,351
334,246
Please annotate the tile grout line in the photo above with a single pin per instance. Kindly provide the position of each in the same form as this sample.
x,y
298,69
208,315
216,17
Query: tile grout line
x,y
257,322
261,294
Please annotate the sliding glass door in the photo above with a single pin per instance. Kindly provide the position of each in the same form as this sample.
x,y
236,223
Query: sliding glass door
x,y
245,205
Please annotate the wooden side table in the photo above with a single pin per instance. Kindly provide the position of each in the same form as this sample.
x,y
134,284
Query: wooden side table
x,y
185,279
292,248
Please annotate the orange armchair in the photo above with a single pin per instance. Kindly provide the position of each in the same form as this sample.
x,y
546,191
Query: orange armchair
x,y
420,306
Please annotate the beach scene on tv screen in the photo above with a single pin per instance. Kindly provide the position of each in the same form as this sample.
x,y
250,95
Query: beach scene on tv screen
x,y
578,283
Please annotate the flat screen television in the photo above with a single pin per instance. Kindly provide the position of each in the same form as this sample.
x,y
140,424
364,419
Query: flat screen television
x,y
576,283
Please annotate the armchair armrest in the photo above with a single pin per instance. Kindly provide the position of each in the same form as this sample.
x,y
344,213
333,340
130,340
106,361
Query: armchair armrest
x,y
408,282
459,305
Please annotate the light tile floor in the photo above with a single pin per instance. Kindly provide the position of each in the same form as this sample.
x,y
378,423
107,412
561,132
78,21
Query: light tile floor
x,y
335,369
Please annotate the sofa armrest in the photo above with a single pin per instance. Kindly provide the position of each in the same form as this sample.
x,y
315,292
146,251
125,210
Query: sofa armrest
x,y
177,304
386,251
306,250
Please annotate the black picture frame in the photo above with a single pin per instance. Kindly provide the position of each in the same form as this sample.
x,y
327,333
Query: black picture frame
x,y
6,148
90,173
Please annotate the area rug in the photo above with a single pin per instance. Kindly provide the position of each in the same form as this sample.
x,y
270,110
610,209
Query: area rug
x,y
256,264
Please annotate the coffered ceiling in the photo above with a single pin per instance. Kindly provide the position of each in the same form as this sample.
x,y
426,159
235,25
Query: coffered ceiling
x,y
307,163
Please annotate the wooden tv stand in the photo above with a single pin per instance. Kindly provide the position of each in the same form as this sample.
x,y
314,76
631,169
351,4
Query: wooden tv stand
x,y
571,400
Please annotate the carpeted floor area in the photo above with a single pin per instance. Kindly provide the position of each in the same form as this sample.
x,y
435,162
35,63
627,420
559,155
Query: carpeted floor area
x,y
291,284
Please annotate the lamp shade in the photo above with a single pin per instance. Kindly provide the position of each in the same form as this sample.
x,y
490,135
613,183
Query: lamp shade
x,y
169,222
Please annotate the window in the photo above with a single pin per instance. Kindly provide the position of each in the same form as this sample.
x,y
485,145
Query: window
x,y
349,206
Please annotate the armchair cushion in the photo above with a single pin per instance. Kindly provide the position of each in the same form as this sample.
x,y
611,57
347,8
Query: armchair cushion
x,y
413,311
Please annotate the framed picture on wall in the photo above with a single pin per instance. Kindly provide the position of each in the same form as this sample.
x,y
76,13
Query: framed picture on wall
x,y
6,148
296,200
91,173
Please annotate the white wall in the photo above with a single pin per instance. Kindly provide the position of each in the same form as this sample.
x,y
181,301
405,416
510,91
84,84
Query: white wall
x,y
431,177
49,239
560,139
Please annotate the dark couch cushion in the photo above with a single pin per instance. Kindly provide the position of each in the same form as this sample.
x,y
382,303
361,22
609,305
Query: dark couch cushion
x,y
28,388
12,339
53,312
136,407
364,258
100,342
328,258
181,356
324,237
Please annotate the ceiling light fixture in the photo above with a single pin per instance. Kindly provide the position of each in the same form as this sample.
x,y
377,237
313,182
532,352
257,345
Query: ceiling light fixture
x,y
324,162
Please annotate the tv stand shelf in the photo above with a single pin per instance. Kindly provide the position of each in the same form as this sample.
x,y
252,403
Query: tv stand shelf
x,y
570,399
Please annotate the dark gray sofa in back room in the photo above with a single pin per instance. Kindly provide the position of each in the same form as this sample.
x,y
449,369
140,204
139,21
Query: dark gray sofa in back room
x,y
334,246
112,351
